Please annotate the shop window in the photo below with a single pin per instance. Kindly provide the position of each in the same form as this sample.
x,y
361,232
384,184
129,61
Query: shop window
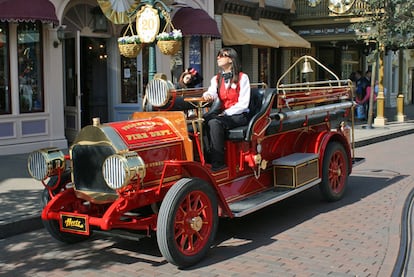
x,y
130,80
4,70
130,74
30,67
194,59
350,63
263,65
195,52
177,66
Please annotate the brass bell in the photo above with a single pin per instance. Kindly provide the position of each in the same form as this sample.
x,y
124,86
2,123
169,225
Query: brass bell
x,y
306,68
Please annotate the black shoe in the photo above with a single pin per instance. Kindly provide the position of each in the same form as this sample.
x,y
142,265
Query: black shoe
x,y
218,167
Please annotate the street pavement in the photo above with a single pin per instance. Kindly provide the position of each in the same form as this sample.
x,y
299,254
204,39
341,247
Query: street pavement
x,y
20,194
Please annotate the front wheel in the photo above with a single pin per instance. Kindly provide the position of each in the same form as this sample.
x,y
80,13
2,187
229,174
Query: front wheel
x,y
334,172
52,226
187,222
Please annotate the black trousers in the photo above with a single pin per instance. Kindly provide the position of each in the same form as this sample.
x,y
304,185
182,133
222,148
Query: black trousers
x,y
216,127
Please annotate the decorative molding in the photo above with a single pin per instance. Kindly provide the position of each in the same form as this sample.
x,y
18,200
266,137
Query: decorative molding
x,y
340,6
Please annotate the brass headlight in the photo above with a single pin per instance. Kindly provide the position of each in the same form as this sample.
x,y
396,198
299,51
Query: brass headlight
x,y
45,163
120,169
158,92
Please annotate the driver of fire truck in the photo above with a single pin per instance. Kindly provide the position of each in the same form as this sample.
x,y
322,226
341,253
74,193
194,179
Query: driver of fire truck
x,y
232,87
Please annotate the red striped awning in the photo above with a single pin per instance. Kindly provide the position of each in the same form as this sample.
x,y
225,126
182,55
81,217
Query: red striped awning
x,y
23,10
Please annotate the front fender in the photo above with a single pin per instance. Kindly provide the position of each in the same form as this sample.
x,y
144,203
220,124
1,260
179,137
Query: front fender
x,y
62,199
194,169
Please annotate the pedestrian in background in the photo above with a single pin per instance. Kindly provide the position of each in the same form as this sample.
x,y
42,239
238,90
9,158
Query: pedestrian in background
x,y
190,78
361,84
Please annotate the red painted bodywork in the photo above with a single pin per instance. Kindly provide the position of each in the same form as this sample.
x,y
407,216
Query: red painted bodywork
x,y
161,146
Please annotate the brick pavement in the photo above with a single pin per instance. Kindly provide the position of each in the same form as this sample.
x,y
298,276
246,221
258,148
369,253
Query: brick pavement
x,y
19,198
314,240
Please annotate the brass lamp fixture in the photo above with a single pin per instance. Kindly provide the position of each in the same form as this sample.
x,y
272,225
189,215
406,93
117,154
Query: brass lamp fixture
x,y
60,36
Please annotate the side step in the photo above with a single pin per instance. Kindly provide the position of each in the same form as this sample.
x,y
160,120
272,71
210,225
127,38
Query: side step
x,y
123,234
266,198
357,161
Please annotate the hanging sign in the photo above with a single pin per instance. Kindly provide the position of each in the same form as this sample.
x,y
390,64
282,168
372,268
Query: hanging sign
x,y
148,24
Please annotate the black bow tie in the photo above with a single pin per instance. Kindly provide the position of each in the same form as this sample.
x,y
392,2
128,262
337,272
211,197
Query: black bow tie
x,y
227,76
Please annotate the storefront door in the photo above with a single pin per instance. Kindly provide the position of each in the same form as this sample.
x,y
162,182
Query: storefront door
x,y
85,75
72,86
93,72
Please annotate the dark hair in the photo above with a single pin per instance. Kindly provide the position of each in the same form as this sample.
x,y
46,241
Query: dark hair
x,y
232,54
195,79
352,76
181,83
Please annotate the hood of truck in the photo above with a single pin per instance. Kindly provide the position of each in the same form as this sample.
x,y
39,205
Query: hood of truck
x,y
155,139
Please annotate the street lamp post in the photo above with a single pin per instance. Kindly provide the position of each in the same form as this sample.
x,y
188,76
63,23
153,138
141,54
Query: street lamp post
x,y
380,120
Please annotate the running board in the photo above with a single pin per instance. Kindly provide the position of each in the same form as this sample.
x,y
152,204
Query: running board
x,y
121,234
357,161
266,198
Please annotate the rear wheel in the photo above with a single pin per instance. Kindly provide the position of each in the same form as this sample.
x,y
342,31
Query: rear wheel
x,y
334,172
187,222
52,226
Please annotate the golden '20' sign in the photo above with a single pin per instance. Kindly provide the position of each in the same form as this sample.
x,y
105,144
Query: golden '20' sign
x,y
148,24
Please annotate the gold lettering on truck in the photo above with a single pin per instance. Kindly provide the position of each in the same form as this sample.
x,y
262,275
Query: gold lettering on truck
x,y
137,136
69,222
160,133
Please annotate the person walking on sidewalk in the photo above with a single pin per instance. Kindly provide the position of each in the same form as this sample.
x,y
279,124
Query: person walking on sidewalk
x,y
361,91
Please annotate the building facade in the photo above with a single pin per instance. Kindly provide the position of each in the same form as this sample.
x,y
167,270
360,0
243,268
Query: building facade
x,y
327,24
60,65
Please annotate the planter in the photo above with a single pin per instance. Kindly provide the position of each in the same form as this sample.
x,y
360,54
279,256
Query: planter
x,y
169,47
130,50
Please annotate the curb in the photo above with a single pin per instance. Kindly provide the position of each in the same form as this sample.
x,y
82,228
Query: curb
x,y
381,138
18,227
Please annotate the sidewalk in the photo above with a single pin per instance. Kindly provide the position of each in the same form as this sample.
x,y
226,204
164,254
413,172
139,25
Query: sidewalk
x,y
20,194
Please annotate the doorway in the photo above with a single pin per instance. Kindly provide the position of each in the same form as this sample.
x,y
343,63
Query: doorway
x,y
85,69
93,72
86,89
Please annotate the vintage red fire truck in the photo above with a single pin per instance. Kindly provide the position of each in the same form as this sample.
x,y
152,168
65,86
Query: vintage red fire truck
x,y
148,176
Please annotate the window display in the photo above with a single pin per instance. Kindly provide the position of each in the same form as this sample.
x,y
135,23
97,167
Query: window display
x,y
130,80
4,70
30,67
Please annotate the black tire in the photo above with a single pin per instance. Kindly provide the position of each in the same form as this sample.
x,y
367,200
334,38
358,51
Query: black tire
x,y
52,226
186,232
334,172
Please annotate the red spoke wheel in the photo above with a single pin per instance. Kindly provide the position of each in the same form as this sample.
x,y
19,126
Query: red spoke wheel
x,y
187,222
334,172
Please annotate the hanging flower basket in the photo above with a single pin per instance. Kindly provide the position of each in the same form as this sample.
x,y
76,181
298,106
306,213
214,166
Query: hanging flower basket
x,y
169,43
129,45
169,47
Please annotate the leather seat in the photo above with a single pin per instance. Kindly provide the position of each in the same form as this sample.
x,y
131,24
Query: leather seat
x,y
260,99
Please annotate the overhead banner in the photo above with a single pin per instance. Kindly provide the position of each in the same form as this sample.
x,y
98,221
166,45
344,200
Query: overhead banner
x,y
118,11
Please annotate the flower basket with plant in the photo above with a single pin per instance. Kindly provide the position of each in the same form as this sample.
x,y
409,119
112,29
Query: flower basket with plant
x,y
169,42
129,45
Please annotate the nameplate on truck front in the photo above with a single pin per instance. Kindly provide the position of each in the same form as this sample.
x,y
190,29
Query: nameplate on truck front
x,y
74,223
